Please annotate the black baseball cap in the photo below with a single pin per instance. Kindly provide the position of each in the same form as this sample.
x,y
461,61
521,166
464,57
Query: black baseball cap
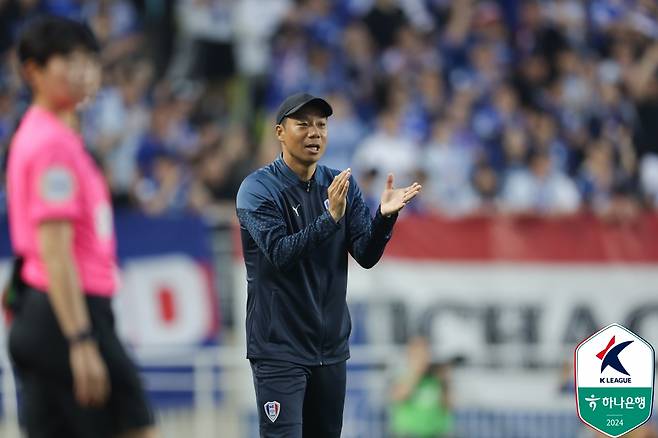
x,y
294,103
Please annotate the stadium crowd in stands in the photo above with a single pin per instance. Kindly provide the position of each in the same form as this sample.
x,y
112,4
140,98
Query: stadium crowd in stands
x,y
497,107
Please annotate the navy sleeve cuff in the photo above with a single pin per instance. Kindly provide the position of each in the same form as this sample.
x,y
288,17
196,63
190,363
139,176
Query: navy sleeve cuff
x,y
386,219
384,224
328,219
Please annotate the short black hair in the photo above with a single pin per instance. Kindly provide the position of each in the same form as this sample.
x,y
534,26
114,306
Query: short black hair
x,y
48,36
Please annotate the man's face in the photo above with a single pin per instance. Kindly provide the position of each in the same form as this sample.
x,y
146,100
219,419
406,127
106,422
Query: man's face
x,y
66,80
304,135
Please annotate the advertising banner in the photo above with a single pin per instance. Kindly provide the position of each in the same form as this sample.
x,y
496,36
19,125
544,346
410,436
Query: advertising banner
x,y
167,295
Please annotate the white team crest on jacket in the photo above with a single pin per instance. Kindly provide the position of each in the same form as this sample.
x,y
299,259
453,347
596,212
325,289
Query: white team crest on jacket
x,y
272,410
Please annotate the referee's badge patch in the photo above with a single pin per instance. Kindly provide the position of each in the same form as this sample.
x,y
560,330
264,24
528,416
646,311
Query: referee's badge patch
x,y
272,410
56,184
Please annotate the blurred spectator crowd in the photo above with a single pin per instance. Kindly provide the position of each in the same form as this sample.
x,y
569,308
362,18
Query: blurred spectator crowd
x,y
496,107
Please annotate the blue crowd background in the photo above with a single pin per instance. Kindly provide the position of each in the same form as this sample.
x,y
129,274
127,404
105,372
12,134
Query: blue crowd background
x,y
530,107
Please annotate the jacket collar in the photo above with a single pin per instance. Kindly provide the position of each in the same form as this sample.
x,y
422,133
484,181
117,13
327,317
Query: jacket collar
x,y
289,173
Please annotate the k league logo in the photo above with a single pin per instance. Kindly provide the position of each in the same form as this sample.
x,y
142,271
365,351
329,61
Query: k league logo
x,y
610,357
614,371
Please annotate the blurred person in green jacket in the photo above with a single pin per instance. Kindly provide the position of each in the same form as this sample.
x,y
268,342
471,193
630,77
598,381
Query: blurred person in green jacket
x,y
421,399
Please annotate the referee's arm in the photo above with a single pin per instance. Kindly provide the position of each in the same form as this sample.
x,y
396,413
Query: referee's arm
x,y
90,377
55,241
259,215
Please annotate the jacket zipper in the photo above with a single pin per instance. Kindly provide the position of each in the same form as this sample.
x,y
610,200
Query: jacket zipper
x,y
308,190
321,329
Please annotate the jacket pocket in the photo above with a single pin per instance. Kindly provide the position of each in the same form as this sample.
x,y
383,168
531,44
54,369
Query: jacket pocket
x,y
274,333
346,325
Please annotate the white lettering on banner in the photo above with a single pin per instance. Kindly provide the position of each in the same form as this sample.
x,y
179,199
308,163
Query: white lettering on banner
x,y
498,314
502,314
164,301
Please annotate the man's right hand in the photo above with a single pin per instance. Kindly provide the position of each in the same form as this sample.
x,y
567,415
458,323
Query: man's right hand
x,y
338,194
91,383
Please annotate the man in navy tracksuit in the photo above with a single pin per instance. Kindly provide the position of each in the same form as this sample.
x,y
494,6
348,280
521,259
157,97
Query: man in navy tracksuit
x,y
299,220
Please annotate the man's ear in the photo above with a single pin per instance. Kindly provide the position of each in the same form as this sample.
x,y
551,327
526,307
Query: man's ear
x,y
279,129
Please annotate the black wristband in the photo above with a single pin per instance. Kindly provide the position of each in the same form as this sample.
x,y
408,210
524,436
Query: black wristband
x,y
81,336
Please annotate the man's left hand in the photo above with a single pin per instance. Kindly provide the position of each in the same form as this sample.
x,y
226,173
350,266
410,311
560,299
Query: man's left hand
x,y
394,200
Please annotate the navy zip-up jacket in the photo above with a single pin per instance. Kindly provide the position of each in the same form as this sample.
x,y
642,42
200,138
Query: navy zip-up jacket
x,y
296,260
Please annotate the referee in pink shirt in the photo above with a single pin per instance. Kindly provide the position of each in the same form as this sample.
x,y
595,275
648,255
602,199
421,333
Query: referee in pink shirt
x,y
76,378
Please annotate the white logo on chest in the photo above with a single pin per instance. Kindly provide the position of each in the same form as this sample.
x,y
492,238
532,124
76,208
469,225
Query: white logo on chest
x,y
295,209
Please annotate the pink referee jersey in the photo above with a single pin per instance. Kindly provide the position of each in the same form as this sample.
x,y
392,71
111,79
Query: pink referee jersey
x,y
51,176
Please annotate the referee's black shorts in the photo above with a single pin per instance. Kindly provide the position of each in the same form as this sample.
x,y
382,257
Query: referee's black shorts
x,y
40,356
